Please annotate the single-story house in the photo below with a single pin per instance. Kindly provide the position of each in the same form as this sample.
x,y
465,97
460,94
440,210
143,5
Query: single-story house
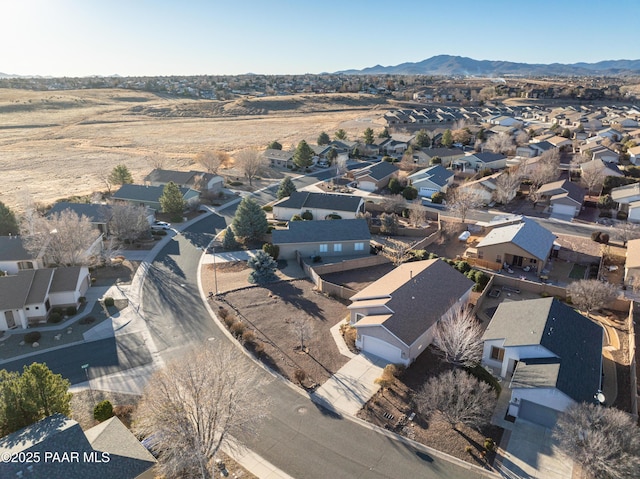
x,y
108,450
395,315
99,215
14,257
324,239
523,244
564,197
28,296
280,158
375,177
150,195
320,205
534,149
484,187
448,156
632,263
431,180
484,160
551,354
560,142
634,155
196,180
628,199
607,169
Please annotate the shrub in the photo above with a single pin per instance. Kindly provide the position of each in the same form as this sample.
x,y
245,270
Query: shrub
x,y
621,215
103,410
437,198
237,328
272,250
55,317
124,412
300,375
71,310
82,300
223,312
605,202
350,333
485,376
235,183
333,216
433,256
605,214
468,449
296,218
463,266
410,193
595,236
267,208
248,336
317,259
307,215
604,238
395,187
489,444
258,349
32,337
57,310
109,301
229,320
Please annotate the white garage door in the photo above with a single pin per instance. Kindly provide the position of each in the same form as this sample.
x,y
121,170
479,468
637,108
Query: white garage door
x,y
382,349
545,416
367,185
563,210
427,192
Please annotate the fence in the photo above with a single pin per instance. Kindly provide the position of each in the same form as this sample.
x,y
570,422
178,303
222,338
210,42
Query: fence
x,y
483,263
633,367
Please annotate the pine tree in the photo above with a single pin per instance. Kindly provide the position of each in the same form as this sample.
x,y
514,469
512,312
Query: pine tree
x,y
286,188
264,268
120,175
323,139
8,222
447,138
250,221
229,241
172,201
368,136
303,155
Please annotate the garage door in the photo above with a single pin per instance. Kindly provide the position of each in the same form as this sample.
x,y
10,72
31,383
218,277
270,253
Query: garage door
x,y
545,416
382,349
427,192
564,210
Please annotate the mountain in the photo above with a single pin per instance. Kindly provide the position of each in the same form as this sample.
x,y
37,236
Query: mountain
x,y
448,65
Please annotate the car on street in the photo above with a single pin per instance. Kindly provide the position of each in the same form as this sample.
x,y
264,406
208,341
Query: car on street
x,y
161,225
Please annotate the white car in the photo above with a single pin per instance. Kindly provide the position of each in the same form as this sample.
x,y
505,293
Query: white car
x,y
161,225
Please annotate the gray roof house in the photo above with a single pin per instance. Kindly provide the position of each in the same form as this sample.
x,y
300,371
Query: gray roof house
x,y
551,354
349,237
486,159
320,205
565,197
14,257
375,177
628,199
435,179
150,195
396,314
99,215
108,451
280,158
197,180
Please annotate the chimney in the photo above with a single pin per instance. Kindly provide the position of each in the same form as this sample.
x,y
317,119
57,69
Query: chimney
x,y
410,274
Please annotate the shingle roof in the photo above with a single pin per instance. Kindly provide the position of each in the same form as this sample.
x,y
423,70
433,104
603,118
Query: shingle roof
x,y
318,231
142,193
575,340
488,157
437,174
112,436
378,171
39,285
65,279
563,188
95,212
633,254
528,235
327,201
14,289
622,192
279,154
12,249
165,176
421,292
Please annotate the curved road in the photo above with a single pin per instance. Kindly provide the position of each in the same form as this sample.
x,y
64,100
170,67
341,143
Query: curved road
x,y
299,437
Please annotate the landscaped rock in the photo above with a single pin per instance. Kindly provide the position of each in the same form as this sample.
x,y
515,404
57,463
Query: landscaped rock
x,y
35,345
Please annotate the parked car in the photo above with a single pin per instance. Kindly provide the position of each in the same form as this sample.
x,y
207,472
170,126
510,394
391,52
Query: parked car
x,y
161,225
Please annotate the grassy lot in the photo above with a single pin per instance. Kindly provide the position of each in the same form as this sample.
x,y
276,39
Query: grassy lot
x,y
578,271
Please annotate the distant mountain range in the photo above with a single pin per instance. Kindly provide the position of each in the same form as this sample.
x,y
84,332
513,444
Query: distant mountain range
x,y
448,65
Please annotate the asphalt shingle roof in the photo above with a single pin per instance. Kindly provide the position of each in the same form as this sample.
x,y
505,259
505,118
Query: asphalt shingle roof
x,y
378,171
165,176
327,201
575,340
436,174
142,193
95,212
318,231
65,279
528,235
12,249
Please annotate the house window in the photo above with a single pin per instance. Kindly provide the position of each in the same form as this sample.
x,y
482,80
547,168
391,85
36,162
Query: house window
x,y
498,259
337,247
359,316
25,265
533,261
497,353
324,248
480,254
359,247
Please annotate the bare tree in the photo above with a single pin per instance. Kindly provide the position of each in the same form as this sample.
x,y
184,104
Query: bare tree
x,y
593,176
417,214
156,161
128,222
458,397
590,294
507,184
395,250
110,251
461,200
393,203
250,162
213,160
63,238
604,441
626,231
500,143
545,169
522,138
302,330
197,404
458,337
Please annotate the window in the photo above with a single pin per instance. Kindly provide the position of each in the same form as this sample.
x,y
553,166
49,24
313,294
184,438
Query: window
x,y
337,247
324,248
25,265
359,247
480,254
498,259
497,353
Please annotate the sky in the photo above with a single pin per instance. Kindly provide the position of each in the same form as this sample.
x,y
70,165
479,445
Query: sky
x,y
230,37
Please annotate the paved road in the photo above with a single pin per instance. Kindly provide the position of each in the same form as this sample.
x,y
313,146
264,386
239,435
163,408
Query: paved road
x,y
299,438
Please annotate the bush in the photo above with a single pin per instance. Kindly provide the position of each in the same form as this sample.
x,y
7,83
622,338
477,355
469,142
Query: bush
x,y
258,349
267,208
395,187
604,238
317,259
463,266
489,444
223,312
595,236
485,376
621,215
300,375
437,198
433,256
32,337
410,193
57,310
71,310
272,250
248,336
109,301
237,328
82,300
605,214
103,411
296,218
605,202
307,215
124,412
235,183
55,317
229,320
333,216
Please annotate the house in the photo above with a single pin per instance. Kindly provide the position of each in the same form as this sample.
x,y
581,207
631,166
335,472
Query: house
x,y
534,149
14,257
431,180
606,168
551,354
484,188
325,239
484,160
196,180
280,158
632,263
523,244
320,205
564,197
628,199
560,142
375,177
395,315
99,215
448,156
150,195
27,297
634,155
108,451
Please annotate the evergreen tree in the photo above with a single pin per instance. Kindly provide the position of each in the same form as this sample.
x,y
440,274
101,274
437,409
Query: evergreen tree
x,y
264,268
332,154
422,139
229,241
340,134
274,145
384,133
120,175
303,155
368,136
323,139
172,201
286,188
410,193
8,222
250,221
447,138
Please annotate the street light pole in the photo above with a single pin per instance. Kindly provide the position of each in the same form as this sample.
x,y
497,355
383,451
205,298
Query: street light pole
x,y
215,272
86,371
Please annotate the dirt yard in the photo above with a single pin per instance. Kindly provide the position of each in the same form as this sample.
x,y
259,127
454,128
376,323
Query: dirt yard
x,y
271,311
59,144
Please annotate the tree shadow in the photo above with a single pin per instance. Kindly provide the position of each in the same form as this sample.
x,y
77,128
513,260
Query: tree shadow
x,y
291,294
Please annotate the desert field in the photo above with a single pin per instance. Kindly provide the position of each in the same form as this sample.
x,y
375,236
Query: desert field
x,y
56,144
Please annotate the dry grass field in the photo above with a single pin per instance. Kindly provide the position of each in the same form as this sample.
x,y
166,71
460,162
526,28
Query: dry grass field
x,y
55,144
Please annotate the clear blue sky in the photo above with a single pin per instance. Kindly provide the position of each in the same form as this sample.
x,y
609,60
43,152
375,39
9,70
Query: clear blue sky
x,y
188,37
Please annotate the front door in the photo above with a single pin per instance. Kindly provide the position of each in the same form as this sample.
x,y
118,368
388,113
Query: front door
x,y
517,261
11,322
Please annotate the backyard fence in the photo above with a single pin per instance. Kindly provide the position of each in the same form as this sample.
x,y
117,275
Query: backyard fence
x,y
633,368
